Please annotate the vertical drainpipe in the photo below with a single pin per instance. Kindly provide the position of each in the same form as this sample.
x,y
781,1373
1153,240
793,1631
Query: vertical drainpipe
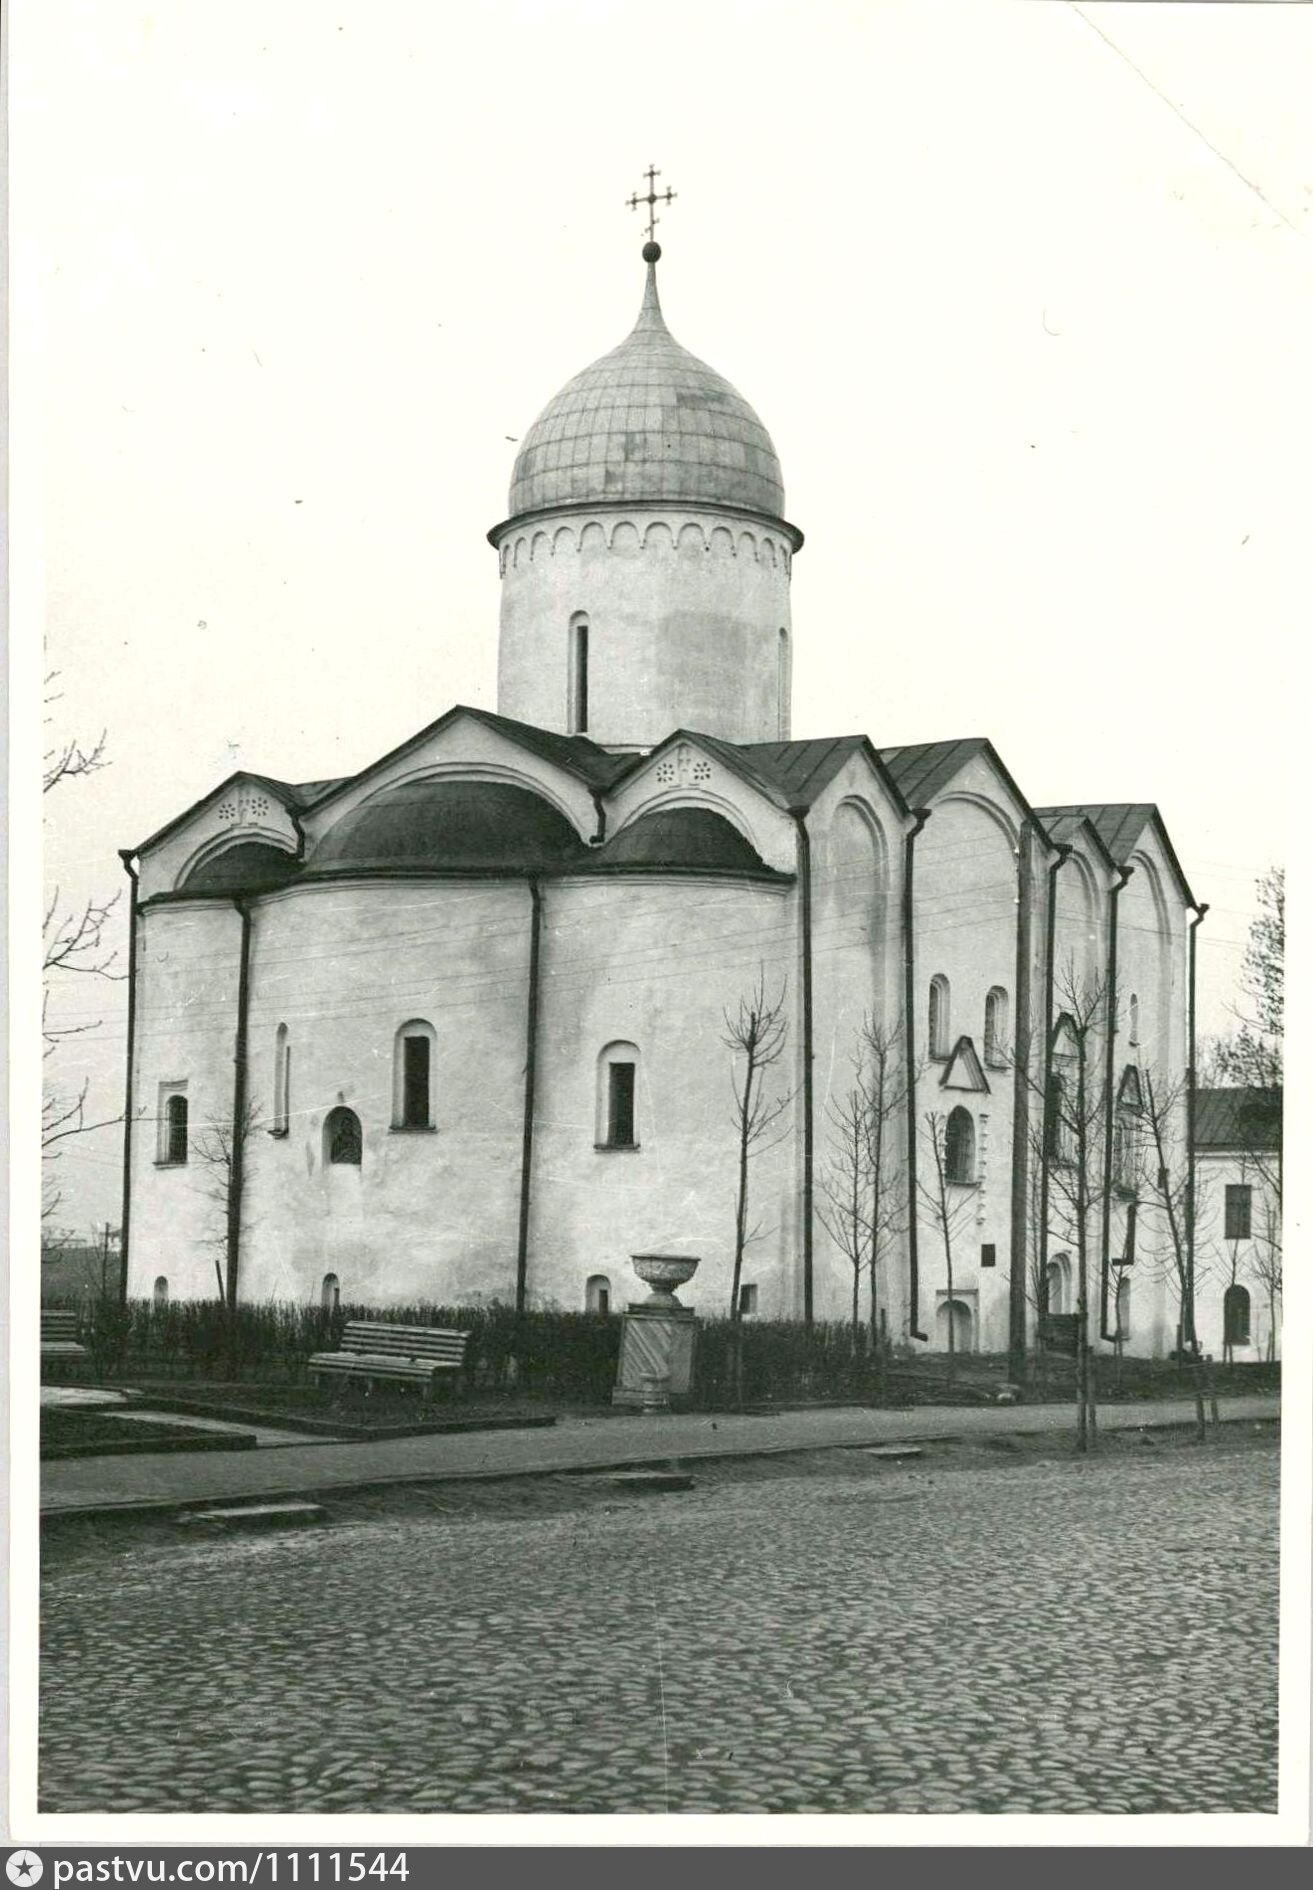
x,y
1190,1086
235,1173
126,855
1050,954
530,1079
1109,1086
1020,1113
808,1096
920,817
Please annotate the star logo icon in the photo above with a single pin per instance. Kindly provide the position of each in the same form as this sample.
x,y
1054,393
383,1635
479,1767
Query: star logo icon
x,y
23,1867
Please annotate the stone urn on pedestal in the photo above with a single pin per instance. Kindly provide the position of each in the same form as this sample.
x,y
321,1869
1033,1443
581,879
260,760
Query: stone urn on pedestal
x,y
658,1337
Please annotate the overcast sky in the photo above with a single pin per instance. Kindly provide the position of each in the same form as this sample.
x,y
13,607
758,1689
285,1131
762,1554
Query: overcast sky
x,y
1021,291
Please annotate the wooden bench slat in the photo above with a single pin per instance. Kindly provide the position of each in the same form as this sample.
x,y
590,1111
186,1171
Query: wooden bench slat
x,y
377,1349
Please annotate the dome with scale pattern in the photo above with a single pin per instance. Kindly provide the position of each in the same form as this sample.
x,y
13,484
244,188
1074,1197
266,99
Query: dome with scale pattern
x,y
648,422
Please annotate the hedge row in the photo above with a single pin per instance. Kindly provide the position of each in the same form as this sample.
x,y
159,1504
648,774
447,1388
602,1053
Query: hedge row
x,y
567,1355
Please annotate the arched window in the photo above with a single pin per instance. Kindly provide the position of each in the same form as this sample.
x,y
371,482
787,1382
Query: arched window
x,y
1235,1316
412,1076
1126,1131
342,1139
173,1128
939,1018
996,1026
784,685
282,1080
1057,1280
617,1096
160,1293
960,1147
1134,1009
330,1293
597,1294
579,673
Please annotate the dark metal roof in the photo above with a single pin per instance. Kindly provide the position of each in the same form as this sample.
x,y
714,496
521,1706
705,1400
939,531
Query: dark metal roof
x,y
1065,825
248,866
575,753
450,826
681,839
1237,1118
1119,825
801,770
923,769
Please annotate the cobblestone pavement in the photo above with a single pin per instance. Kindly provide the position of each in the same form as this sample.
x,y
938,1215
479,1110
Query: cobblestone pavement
x,y
1053,1636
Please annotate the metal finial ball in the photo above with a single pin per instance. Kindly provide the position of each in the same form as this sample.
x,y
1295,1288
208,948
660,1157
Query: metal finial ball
x,y
651,252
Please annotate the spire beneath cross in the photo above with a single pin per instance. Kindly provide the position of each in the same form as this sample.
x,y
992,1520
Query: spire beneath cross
x,y
652,199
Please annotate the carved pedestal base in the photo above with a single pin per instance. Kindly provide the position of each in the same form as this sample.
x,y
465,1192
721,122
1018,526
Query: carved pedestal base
x,y
657,1341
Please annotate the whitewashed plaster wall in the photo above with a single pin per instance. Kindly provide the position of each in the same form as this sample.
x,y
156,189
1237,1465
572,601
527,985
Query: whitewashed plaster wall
x,y
966,930
657,961
1214,1254
685,612
187,958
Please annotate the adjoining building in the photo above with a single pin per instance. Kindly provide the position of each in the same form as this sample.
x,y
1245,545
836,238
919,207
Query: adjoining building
x,y
452,1028
1237,1143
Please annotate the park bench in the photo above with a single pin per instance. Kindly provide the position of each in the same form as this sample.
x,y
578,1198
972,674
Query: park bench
x,y
371,1350
59,1344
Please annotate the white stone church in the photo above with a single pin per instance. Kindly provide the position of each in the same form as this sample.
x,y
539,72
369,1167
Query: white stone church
x,y
467,1006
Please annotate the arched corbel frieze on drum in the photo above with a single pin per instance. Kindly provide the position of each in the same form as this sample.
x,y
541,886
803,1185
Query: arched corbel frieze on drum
x,y
660,534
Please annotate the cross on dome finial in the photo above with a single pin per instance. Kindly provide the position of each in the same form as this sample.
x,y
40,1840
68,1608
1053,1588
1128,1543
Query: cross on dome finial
x,y
652,199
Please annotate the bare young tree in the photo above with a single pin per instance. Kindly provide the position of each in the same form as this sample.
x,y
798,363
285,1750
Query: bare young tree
x,y
863,1183
756,1037
946,1211
216,1150
1165,1186
74,944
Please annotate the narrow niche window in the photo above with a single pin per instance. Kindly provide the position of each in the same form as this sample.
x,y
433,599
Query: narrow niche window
x,y
960,1147
1134,1008
342,1139
160,1293
412,1076
747,1302
172,1150
597,1294
579,673
282,1081
617,1096
784,685
996,1027
939,1017
330,1293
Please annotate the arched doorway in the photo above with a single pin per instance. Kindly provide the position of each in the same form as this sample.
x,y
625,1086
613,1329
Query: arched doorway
x,y
955,1315
1057,1276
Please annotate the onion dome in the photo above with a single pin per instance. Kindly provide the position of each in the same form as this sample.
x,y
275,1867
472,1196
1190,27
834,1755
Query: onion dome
x,y
251,866
648,422
679,839
450,827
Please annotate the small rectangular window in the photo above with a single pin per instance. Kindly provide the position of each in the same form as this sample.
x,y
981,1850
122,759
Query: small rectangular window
x,y
747,1301
620,1105
1238,1210
415,1084
987,1254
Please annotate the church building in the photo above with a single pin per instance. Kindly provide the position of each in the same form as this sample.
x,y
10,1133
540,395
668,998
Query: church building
x,y
454,1029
